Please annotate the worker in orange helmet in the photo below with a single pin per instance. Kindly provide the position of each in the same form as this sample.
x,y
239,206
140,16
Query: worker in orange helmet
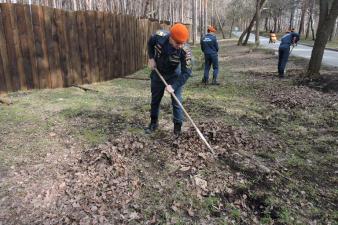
x,y
209,47
171,55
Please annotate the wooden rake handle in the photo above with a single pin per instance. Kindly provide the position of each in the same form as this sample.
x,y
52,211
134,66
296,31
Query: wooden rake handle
x,y
186,113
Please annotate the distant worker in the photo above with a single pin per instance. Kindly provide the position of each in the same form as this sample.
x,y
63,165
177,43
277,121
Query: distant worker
x,y
169,53
273,37
209,47
290,38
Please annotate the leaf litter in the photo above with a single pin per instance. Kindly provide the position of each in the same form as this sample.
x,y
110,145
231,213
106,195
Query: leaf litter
x,y
106,184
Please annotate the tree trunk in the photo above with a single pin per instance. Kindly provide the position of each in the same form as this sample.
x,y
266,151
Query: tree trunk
x,y
205,15
212,13
309,24
312,29
146,8
292,15
333,33
231,28
275,24
220,25
266,24
327,19
258,16
279,28
247,31
201,17
302,18
194,21
182,13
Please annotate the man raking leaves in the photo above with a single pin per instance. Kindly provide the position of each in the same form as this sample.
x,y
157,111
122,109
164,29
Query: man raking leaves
x,y
290,38
170,62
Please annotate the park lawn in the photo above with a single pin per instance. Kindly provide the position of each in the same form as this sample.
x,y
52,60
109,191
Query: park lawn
x,y
75,156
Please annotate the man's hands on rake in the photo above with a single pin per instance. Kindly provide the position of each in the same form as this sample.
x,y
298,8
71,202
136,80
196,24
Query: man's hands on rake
x,y
152,66
170,89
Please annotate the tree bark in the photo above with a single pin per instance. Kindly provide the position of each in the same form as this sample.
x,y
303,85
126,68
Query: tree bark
x,y
231,28
266,24
194,21
333,33
312,29
220,25
292,15
275,23
205,15
247,31
258,16
327,18
309,24
302,18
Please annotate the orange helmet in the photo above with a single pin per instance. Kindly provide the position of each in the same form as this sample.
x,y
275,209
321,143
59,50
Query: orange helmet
x,y
179,33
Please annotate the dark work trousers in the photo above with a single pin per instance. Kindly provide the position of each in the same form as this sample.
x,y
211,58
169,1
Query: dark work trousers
x,y
211,59
157,91
283,55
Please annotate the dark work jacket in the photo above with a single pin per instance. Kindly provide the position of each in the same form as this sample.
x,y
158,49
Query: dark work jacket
x,y
209,44
288,39
168,59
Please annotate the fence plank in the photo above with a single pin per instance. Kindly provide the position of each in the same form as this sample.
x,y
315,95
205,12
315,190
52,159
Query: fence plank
x,y
73,40
130,46
4,58
26,43
17,48
101,50
124,46
52,48
3,88
82,28
92,48
143,39
139,44
119,44
13,47
115,45
61,34
31,46
40,47
108,44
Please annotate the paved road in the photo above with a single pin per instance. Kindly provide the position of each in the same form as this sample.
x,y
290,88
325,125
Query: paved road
x,y
329,58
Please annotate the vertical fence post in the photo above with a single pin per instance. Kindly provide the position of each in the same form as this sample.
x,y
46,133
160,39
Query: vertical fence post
x,y
6,73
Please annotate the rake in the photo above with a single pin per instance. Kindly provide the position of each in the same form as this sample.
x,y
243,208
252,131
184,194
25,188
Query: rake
x,y
186,113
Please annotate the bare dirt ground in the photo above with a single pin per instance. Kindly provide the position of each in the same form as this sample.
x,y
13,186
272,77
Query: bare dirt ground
x,y
69,156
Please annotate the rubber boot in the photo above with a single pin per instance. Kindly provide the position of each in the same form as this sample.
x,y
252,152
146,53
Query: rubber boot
x,y
205,81
177,129
152,126
215,82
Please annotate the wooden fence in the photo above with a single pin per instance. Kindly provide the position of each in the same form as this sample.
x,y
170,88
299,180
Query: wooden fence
x,y
42,47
